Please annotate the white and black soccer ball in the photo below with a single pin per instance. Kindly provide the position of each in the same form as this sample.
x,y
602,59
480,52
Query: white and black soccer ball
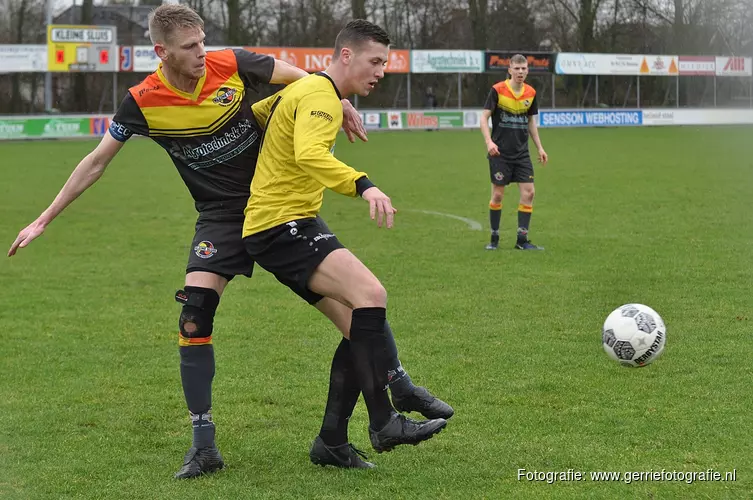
x,y
634,335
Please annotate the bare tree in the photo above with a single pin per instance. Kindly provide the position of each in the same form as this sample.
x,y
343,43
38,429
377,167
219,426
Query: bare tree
x,y
358,9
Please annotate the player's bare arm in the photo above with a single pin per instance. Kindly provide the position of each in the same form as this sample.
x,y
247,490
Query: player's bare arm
x,y
285,73
533,130
86,173
491,148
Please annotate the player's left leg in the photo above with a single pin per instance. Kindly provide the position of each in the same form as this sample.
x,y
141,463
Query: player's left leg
x,y
405,395
331,446
525,211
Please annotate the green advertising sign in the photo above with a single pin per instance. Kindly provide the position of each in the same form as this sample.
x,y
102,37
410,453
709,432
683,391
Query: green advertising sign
x,y
12,129
44,128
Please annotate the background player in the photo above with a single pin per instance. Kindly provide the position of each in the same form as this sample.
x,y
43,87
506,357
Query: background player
x,y
284,234
197,107
511,104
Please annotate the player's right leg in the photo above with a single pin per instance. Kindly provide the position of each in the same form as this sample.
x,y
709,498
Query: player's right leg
x,y
200,298
500,177
217,255
341,276
308,258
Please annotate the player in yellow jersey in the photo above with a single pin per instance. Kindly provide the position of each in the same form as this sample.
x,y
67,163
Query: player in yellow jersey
x,y
284,234
197,106
512,105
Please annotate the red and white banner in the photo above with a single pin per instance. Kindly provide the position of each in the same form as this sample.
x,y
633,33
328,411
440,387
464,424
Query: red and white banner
x,y
734,66
697,65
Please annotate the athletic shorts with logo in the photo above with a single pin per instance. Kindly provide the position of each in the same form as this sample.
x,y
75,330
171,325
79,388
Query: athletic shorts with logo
x,y
217,246
292,252
504,171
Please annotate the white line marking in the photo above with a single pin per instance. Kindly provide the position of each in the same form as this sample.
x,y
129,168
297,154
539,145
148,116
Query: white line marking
x,y
471,223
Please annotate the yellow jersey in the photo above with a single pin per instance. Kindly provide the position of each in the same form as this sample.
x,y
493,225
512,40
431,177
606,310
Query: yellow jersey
x,y
296,161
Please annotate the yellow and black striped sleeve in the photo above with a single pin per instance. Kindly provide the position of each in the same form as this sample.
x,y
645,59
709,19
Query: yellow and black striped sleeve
x,y
318,118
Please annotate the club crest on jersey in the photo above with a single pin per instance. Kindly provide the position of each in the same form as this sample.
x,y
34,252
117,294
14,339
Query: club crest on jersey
x,y
205,249
225,96
526,102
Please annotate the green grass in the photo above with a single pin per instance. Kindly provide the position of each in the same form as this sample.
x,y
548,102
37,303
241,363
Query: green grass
x,y
90,396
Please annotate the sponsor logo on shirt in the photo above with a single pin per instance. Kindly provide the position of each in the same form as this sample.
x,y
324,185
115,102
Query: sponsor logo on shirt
x,y
147,89
322,114
216,148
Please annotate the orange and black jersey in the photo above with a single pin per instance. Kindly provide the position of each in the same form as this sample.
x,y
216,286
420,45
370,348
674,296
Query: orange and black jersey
x,y
211,135
510,115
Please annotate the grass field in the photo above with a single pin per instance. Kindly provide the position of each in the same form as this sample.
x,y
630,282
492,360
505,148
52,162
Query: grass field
x,y
90,396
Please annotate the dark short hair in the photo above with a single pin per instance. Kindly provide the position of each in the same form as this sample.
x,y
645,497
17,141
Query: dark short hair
x,y
518,59
358,32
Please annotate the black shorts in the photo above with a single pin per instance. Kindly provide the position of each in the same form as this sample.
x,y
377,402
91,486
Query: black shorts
x,y
217,246
293,251
503,172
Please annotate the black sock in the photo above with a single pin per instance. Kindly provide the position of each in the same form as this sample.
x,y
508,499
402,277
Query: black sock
x,y
196,374
369,350
344,391
524,221
495,214
397,378
203,429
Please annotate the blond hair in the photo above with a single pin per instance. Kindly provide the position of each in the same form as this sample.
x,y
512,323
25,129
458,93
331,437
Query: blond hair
x,y
165,19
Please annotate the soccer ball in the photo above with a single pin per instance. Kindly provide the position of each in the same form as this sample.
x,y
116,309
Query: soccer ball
x,y
634,335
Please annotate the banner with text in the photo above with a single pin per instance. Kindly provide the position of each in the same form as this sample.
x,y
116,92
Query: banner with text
x,y
697,116
659,66
588,118
569,63
616,64
734,66
447,61
396,120
538,62
317,59
23,58
49,128
697,65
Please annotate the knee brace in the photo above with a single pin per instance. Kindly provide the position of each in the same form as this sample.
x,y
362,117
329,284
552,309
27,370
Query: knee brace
x,y
197,315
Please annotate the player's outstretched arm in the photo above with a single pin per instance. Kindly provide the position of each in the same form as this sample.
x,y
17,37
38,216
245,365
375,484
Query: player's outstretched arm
x,y
88,171
286,73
